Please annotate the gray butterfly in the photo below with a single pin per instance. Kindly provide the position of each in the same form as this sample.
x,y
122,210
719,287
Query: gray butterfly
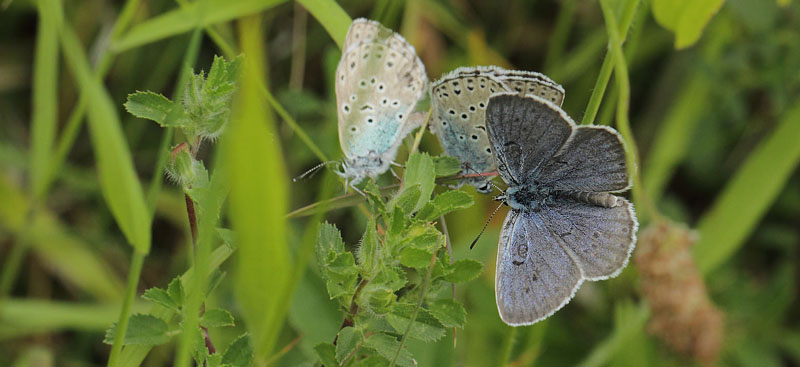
x,y
459,102
565,225
378,82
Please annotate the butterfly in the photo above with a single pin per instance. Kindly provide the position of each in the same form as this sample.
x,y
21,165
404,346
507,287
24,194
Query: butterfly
x,y
459,100
565,225
379,80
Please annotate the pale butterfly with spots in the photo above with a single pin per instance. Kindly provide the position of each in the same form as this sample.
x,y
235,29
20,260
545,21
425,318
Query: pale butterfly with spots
x,y
459,102
565,224
378,83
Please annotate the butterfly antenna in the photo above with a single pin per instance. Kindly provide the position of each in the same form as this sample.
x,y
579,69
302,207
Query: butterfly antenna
x,y
313,170
484,226
489,180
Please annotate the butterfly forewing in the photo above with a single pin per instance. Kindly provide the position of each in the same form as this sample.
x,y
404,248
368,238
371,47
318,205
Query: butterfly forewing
x,y
525,132
592,160
378,82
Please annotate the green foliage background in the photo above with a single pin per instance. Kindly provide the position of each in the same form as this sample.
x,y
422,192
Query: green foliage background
x,y
87,222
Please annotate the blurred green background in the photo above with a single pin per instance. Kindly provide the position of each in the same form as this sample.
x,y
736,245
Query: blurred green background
x,y
716,122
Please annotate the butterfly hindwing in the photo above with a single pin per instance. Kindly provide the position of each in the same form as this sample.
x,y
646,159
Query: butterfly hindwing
x,y
459,102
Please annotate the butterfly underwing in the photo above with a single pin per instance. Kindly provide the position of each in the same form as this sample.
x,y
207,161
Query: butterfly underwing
x,y
565,225
378,83
459,102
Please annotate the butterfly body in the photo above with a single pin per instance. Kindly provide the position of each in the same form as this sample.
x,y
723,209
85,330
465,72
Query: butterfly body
x,y
565,224
459,101
378,83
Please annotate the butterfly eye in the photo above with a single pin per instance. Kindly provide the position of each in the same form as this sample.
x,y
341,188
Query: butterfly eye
x,y
384,101
352,97
461,137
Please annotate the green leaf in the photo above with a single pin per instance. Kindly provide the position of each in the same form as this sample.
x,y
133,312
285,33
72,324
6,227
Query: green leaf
x,y
449,312
446,165
415,258
424,326
142,330
420,171
239,353
424,237
329,240
374,196
748,195
327,354
371,361
347,342
214,360
464,270
118,180
216,317
685,18
341,274
161,297
376,297
175,291
199,350
332,17
445,203
186,18
407,199
151,106
397,225
387,347
369,251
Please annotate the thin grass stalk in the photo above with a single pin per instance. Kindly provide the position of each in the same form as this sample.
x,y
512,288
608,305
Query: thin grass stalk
x,y
605,70
134,272
621,74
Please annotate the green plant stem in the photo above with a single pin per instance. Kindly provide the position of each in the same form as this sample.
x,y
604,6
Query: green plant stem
x,y
507,346
608,65
421,299
130,293
631,152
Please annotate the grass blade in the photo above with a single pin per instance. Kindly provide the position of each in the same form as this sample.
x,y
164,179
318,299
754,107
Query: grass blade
x,y
748,195
258,200
332,17
118,181
185,18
